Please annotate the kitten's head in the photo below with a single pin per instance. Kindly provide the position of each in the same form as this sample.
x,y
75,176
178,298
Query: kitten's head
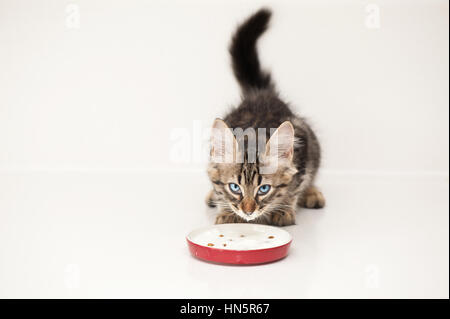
x,y
252,179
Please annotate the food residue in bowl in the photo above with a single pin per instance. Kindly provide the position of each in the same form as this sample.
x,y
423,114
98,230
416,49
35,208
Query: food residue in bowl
x,y
210,244
271,237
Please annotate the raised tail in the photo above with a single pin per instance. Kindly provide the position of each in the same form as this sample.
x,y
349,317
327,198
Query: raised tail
x,y
243,52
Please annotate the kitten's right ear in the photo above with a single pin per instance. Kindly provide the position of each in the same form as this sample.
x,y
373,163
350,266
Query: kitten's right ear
x,y
281,143
223,143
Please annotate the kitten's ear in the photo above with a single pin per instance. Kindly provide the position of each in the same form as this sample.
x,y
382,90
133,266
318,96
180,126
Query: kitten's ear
x,y
281,143
223,143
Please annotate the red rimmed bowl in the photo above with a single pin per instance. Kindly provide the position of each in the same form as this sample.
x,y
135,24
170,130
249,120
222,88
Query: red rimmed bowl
x,y
243,244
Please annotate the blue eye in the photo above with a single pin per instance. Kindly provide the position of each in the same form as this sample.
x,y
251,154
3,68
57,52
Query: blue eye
x,y
234,188
264,189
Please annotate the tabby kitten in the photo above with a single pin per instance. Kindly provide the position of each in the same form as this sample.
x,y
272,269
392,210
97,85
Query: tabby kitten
x,y
261,183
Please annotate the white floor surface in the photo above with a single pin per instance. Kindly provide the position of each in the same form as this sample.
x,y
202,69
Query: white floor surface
x,y
122,235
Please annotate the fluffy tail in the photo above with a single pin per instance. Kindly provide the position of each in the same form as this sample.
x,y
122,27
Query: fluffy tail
x,y
245,60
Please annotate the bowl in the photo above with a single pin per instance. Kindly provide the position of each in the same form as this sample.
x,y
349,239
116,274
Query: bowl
x,y
243,244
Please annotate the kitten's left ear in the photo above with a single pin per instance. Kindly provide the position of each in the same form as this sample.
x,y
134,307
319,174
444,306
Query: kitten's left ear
x,y
281,143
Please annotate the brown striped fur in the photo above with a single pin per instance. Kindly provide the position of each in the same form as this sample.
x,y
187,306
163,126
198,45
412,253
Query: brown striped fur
x,y
261,107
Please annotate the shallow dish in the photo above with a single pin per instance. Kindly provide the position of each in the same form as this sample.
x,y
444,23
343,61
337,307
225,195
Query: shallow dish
x,y
239,243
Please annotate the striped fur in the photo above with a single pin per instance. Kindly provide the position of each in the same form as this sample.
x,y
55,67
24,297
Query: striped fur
x,y
291,184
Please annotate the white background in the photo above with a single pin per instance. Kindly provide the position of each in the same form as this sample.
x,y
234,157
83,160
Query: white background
x,y
93,204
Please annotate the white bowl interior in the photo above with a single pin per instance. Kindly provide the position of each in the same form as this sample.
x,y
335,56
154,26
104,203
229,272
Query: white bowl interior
x,y
240,236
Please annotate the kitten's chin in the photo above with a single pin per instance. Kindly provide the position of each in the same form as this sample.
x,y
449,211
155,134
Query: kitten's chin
x,y
247,217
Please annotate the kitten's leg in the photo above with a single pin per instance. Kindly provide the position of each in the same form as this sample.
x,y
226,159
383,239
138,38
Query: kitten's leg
x,y
210,199
283,218
227,217
312,198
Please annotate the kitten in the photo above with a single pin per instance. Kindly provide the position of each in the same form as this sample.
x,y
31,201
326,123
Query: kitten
x,y
261,183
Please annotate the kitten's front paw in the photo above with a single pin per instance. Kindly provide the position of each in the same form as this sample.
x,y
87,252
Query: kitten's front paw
x,y
228,218
312,198
283,218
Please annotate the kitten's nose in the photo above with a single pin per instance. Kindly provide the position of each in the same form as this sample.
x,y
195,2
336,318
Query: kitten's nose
x,y
248,205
